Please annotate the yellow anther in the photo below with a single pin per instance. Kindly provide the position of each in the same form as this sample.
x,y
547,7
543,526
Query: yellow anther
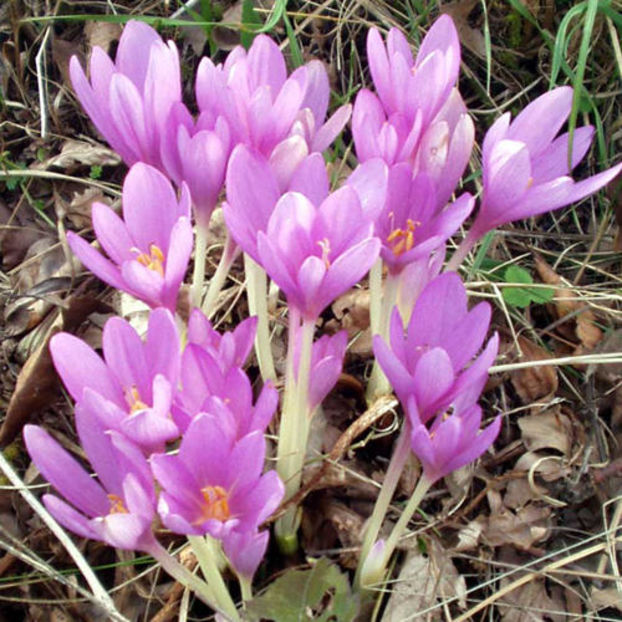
x,y
529,183
325,246
134,401
154,260
116,505
216,504
403,239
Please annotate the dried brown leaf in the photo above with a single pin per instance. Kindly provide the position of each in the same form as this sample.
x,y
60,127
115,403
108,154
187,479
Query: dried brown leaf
x,y
102,34
36,382
534,383
422,582
583,321
352,313
548,430
470,37
75,153
521,529
531,603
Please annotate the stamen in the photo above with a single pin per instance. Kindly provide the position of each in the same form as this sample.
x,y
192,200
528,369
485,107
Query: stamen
x,y
154,260
216,504
133,399
404,239
325,246
116,505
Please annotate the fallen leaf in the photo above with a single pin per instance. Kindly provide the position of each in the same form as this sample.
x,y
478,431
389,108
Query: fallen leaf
x,y
75,153
102,34
530,603
582,321
548,430
470,37
36,383
423,582
521,529
534,383
352,313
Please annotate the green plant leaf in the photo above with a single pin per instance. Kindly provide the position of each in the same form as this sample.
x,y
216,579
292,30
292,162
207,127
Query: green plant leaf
x,y
321,593
522,297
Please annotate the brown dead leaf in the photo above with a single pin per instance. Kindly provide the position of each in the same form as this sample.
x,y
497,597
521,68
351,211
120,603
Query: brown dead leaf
x,y
36,383
78,210
470,37
548,430
531,603
76,153
534,383
581,324
352,313
102,34
521,529
424,580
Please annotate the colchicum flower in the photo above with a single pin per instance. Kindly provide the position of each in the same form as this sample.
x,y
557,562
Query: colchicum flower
x,y
264,106
214,485
150,248
441,340
133,389
129,100
314,254
120,508
525,167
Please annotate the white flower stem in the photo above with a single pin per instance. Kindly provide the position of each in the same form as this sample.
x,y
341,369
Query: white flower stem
x,y
401,452
294,430
229,253
198,273
378,384
423,485
257,291
205,550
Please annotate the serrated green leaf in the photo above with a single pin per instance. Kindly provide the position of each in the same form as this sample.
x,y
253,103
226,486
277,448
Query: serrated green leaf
x,y
321,593
515,274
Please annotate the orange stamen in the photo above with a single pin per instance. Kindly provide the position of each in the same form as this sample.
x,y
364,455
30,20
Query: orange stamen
x,y
325,246
403,240
216,504
154,260
134,401
116,505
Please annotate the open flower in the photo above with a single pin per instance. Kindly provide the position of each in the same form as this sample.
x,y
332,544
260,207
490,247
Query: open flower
x,y
150,248
214,484
411,225
120,508
132,390
525,167
314,254
441,340
129,100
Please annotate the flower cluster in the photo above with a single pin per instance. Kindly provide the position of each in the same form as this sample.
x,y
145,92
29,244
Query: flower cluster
x,y
136,401
170,424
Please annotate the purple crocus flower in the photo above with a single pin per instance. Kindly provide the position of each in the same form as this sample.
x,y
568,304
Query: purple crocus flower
x,y
255,184
245,550
452,441
120,508
525,167
411,86
197,154
262,105
129,100
150,248
411,225
441,339
132,390
314,254
214,484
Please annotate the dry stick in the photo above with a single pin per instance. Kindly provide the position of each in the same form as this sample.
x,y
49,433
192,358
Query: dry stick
x,y
100,595
597,548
